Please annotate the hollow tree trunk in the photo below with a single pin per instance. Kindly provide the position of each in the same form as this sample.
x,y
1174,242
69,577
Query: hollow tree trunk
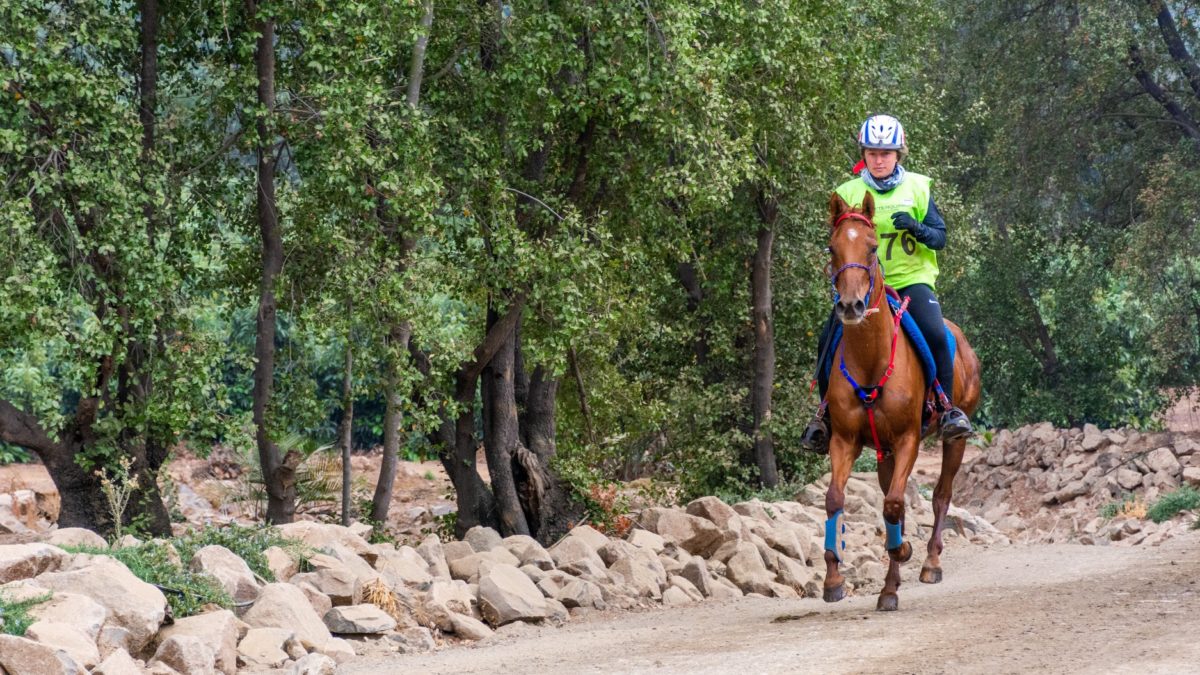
x,y
556,512
762,317
279,474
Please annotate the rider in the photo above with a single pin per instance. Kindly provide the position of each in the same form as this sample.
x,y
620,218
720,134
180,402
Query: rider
x,y
910,230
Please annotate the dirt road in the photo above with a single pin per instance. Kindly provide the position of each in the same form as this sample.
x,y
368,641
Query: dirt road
x,y
1043,609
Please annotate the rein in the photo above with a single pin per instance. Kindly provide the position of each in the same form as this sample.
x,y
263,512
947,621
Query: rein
x,y
869,395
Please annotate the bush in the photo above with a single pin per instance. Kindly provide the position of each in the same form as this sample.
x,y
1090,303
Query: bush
x,y
1130,506
1173,503
248,543
187,592
14,616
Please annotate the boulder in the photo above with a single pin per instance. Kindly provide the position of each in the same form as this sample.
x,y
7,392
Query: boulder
x,y
482,539
696,572
431,551
1128,479
647,539
417,640
358,620
1093,439
753,509
469,628
21,656
25,561
337,649
319,601
1191,476
694,534
321,535
331,577
443,600
469,568
230,571
399,569
284,606
644,573
265,647
687,587
528,551
747,570
590,536
676,597
74,609
220,630
187,655
506,595
453,550
1162,460
281,564
118,663
616,549
133,604
581,593
70,639
76,536
573,550
535,574
313,664
717,512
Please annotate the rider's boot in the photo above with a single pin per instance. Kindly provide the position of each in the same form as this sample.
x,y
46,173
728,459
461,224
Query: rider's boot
x,y
816,435
955,423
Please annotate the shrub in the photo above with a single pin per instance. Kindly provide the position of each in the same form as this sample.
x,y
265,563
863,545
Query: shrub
x,y
14,615
187,592
1130,506
248,543
1184,499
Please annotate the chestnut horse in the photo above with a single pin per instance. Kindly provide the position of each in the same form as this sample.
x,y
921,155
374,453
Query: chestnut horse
x,y
868,345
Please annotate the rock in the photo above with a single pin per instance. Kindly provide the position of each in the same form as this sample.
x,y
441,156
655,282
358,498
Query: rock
x,y
337,649
399,569
792,574
284,606
1163,460
74,609
696,572
322,535
229,570
1128,478
21,656
643,572
556,613
590,536
573,550
453,550
724,589
687,587
535,574
1191,476
76,536
331,577
675,597
187,654
265,647
25,561
280,563
647,539
113,637
319,601
616,549
469,568
220,630
747,570
1166,480
357,564
469,628
754,509
717,512
671,565
694,534
416,640
482,539
1093,440
358,620
581,593
528,551
118,663
132,603
431,551
313,664
70,639
443,600
506,595
785,540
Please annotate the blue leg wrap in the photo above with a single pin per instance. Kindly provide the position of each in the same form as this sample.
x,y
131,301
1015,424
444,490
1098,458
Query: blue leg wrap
x,y
834,529
895,535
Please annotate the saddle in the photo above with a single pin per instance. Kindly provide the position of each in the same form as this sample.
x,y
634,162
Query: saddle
x,y
912,332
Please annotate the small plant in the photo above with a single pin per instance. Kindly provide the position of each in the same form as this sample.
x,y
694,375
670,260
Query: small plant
x,y
187,592
118,487
1173,503
607,510
14,615
866,462
248,543
1130,506
429,476
444,526
12,454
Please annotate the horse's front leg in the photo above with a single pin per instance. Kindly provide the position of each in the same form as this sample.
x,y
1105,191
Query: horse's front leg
x,y
904,455
952,454
842,453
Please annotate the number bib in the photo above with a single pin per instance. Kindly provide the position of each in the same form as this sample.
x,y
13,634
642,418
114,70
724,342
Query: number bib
x,y
905,260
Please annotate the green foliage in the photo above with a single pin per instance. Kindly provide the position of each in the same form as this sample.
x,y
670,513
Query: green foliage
x,y
14,615
248,543
1186,498
1111,509
187,592
11,454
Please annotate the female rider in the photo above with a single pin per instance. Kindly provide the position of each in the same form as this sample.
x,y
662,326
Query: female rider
x,y
910,230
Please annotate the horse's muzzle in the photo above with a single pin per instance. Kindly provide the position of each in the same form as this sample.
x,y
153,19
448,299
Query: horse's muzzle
x,y
850,312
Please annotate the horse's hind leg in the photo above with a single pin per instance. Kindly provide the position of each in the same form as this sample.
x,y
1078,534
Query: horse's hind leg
x,y
952,454
842,453
899,551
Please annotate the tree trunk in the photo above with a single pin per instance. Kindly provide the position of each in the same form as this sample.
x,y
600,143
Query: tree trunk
x,y
554,512
584,409
385,488
347,428
279,474
762,316
690,280
502,432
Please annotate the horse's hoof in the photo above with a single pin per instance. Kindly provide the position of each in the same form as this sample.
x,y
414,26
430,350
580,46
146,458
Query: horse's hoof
x,y
888,602
835,593
931,575
902,553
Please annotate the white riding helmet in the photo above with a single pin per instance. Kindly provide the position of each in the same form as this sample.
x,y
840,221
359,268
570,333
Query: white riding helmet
x,y
882,132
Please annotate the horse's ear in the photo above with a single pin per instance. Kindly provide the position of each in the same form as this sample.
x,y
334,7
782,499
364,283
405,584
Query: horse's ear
x,y
868,206
837,206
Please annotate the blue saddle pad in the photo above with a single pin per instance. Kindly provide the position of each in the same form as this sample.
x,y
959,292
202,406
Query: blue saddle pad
x,y
915,338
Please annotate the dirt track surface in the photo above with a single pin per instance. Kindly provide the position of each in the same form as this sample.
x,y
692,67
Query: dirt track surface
x,y
1045,609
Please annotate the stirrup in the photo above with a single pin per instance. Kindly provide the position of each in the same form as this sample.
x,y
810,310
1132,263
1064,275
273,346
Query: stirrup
x,y
955,424
816,435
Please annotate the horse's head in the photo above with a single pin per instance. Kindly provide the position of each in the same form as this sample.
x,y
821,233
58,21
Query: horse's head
x,y
852,245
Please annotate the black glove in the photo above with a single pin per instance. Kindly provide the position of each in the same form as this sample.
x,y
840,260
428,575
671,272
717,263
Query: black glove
x,y
904,221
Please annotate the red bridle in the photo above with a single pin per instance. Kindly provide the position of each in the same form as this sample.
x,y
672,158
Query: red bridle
x,y
850,215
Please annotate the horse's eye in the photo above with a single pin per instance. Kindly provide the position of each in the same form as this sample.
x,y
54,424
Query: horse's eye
x,y
874,249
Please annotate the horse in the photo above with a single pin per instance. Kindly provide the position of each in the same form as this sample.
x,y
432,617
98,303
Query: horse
x,y
873,352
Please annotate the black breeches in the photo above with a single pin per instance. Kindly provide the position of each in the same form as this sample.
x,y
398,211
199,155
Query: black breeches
x,y
925,310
